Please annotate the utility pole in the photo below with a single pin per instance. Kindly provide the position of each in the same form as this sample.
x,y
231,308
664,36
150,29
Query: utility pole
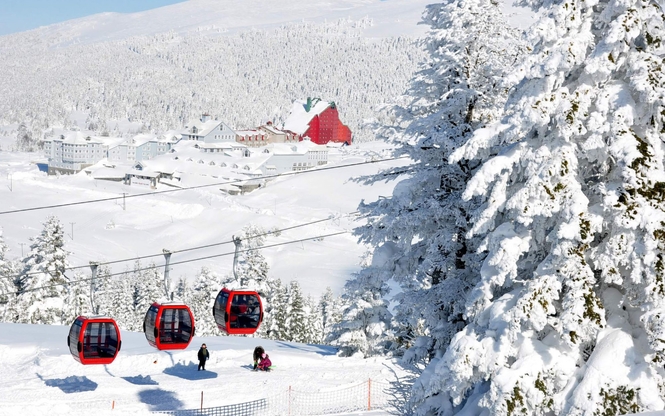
x,y
11,188
22,244
72,235
238,242
93,268
167,258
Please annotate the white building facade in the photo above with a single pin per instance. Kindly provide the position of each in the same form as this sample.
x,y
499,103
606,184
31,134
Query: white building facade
x,y
140,147
72,152
295,157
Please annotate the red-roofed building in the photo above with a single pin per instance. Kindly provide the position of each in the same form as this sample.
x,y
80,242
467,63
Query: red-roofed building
x,y
317,120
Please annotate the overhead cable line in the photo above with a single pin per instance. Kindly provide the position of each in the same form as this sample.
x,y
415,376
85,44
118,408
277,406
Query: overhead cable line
x,y
115,198
174,263
271,232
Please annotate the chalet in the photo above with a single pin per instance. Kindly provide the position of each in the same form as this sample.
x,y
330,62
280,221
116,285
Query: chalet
x,y
318,120
209,131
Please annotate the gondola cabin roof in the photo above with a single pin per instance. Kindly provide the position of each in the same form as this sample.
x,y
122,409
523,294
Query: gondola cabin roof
x,y
169,325
94,340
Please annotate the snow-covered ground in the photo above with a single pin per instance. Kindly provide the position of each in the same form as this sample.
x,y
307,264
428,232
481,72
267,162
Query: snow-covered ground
x,y
142,226
38,376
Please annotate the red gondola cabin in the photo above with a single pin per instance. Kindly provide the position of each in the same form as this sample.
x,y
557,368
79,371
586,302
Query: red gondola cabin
x,y
169,326
238,311
94,340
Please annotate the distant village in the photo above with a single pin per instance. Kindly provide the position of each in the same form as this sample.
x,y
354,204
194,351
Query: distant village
x,y
207,151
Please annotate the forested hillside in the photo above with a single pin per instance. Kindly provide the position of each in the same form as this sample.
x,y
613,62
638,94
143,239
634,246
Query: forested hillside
x,y
164,80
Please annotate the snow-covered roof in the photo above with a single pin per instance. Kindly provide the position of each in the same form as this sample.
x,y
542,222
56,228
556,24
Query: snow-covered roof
x,y
299,119
218,145
79,138
203,128
73,137
272,129
249,132
171,136
294,148
108,141
146,173
140,139
107,173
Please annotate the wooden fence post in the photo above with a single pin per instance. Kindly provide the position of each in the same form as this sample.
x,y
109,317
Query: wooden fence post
x,y
369,394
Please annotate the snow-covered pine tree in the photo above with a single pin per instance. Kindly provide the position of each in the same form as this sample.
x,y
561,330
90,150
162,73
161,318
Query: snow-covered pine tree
x,y
276,323
77,299
365,327
103,287
201,302
42,283
148,287
314,326
330,310
119,303
8,272
419,232
182,290
252,267
568,316
252,271
296,316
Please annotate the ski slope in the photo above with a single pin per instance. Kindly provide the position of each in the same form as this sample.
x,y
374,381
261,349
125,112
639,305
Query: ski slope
x,y
38,376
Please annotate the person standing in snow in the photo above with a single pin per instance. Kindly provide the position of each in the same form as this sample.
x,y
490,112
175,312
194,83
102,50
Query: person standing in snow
x,y
203,357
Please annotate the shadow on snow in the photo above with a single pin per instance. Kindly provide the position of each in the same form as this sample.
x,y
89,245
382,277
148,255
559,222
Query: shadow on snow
x,y
160,400
318,349
71,384
141,380
189,372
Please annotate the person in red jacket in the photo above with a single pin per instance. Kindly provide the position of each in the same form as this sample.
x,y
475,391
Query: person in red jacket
x,y
264,363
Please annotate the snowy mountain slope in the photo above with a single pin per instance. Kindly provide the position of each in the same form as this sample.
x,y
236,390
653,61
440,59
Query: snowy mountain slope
x,y
390,18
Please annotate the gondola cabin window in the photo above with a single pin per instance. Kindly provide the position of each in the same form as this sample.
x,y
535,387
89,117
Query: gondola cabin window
x,y
73,339
100,340
169,326
238,311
